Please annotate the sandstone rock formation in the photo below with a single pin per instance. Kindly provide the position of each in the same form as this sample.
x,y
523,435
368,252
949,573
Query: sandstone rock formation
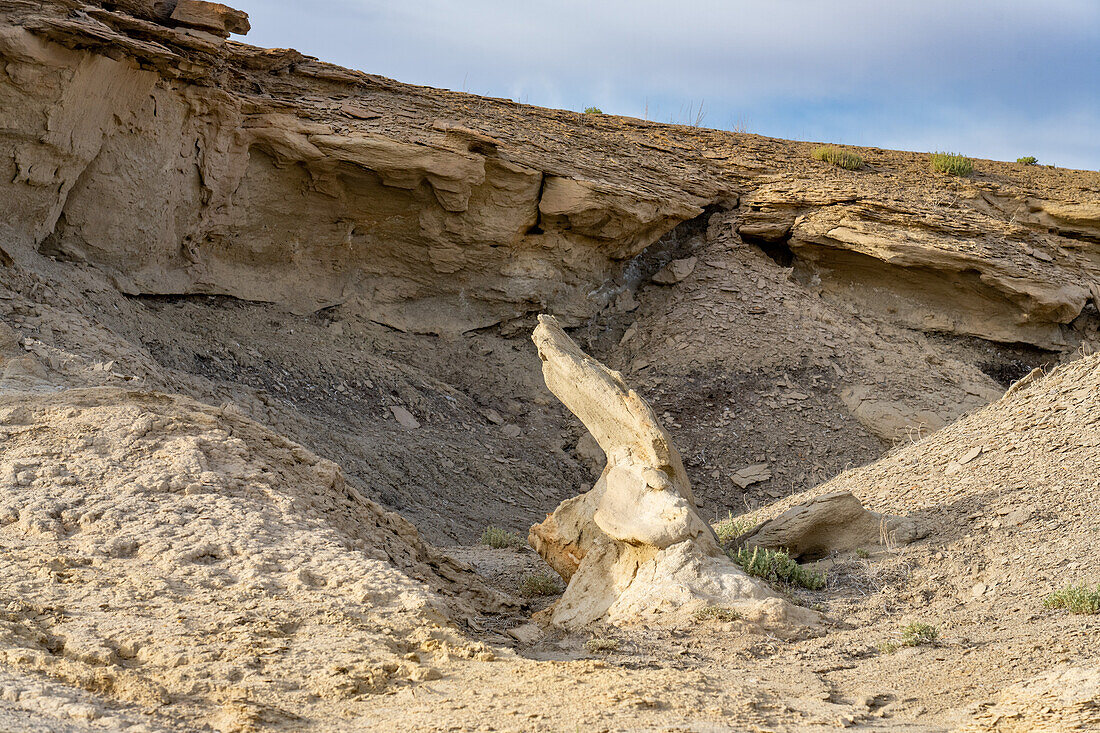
x,y
1039,439
403,225
894,420
434,211
831,522
634,547
214,17
675,271
981,261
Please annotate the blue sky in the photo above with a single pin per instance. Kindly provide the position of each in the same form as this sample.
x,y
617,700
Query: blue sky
x,y
988,78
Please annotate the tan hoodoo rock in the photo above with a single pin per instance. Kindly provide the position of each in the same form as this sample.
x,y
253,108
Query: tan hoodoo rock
x,y
633,548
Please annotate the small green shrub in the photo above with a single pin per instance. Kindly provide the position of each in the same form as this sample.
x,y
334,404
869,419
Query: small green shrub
x,y
861,553
601,646
731,528
777,566
952,163
915,634
716,613
593,111
499,538
839,157
539,584
1075,599
1028,160
918,634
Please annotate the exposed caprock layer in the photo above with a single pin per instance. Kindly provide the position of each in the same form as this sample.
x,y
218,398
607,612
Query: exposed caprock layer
x,y
209,166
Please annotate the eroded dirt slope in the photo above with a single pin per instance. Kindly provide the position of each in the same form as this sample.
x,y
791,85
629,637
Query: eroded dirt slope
x,y
1009,496
161,551
189,567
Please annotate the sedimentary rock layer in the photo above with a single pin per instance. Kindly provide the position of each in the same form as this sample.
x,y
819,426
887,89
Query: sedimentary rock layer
x,y
209,166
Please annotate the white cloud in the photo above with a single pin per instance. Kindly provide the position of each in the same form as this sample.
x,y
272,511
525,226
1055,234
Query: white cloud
x,y
1005,67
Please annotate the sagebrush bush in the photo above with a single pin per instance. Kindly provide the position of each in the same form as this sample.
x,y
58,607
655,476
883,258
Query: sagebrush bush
x,y
1028,160
539,584
953,163
499,538
836,156
731,528
1075,599
593,111
918,634
777,566
915,634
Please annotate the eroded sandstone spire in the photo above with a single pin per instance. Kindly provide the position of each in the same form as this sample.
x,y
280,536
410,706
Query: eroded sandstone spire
x,y
634,548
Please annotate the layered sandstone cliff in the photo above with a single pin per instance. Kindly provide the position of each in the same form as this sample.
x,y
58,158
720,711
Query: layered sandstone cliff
x,y
180,162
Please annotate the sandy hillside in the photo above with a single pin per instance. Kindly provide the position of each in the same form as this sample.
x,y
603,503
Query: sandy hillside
x,y
187,567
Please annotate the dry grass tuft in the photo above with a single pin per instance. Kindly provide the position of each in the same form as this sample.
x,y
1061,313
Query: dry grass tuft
x,y
918,634
731,528
914,634
539,584
601,646
838,157
500,538
867,577
952,163
716,613
1075,599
